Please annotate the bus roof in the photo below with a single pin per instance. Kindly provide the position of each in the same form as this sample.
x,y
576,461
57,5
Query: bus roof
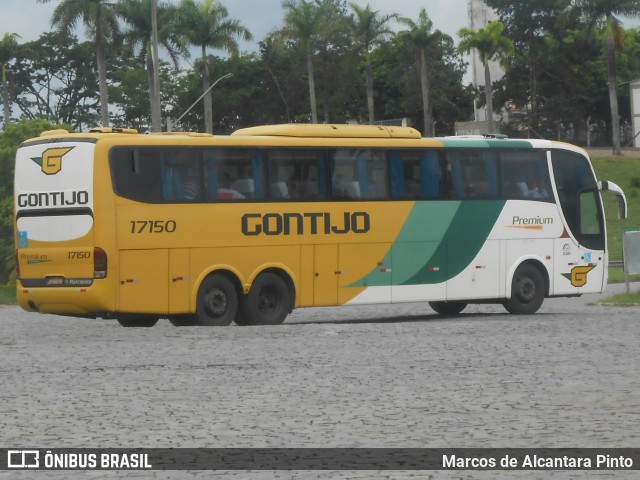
x,y
316,134
329,131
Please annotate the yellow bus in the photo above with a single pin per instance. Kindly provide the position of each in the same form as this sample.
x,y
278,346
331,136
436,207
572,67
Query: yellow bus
x,y
208,230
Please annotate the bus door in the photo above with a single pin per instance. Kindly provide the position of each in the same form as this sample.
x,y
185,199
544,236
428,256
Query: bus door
x,y
481,277
325,278
179,280
144,281
580,267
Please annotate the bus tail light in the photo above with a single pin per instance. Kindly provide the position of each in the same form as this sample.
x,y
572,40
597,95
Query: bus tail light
x,y
99,263
17,266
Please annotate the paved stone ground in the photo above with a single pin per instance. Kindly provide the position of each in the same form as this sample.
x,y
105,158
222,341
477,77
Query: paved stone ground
x,y
383,376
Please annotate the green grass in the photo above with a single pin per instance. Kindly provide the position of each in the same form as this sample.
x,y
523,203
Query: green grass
x,y
623,299
616,275
8,294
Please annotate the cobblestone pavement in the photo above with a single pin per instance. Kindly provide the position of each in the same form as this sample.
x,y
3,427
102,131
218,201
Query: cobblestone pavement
x,y
375,376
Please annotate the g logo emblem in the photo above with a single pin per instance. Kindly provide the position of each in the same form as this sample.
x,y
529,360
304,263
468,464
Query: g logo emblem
x,y
578,275
51,160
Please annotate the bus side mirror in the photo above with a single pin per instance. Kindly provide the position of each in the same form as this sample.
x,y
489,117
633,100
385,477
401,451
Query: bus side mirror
x,y
622,199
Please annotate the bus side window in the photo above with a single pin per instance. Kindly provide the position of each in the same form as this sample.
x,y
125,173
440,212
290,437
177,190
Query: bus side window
x,y
415,174
525,175
181,178
359,174
490,160
233,174
399,175
473,174
211,175
137,173
430,175
297,174
456,179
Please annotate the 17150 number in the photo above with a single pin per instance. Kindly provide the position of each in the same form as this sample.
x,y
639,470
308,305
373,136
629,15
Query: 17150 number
x,y
153,226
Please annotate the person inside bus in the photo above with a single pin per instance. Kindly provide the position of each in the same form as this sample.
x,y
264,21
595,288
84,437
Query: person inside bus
x,y
190,185
539,190
181,178
225,192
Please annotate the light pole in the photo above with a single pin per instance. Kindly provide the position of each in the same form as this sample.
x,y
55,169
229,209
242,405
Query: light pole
x,y
170,123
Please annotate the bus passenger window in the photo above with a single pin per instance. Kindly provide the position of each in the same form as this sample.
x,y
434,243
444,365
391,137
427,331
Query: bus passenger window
x,y
181,176
473,174
415,174
525,175
136,173
296,174
233,174
359,174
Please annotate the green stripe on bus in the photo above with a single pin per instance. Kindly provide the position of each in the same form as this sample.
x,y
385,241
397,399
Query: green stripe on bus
x,y
437,242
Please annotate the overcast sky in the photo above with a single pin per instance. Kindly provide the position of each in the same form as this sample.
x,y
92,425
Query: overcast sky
x,y
30,19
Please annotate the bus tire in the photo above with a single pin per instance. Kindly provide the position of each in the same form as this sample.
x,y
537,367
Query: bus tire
x,y
527,291
138,321
448,308
241,319
217,302
183,321
268,301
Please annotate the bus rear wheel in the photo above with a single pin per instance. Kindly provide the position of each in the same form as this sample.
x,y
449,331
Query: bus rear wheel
x,y
217,301
268,302
527,291
448,308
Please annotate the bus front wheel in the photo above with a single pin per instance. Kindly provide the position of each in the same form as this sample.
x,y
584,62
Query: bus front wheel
x,y
217,301
268,301
448,308
527,291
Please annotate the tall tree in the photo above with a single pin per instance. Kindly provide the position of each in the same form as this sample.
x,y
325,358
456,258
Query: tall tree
x,y
207,25
371,28
303,22
137,14
397,72
8,48
607,11
335,59
101,22
491,44
422,38
55,79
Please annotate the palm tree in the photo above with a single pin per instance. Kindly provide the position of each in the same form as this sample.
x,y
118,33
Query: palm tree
x,y
491,44
8,47
607,11
420,36
303,22
370,29
206,25
101,22
137,14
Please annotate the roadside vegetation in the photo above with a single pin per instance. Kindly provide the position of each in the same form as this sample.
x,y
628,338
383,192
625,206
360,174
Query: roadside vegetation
x,y
8,293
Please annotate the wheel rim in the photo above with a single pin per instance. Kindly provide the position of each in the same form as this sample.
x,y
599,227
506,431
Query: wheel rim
x,y
526,290
268,302
215,302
